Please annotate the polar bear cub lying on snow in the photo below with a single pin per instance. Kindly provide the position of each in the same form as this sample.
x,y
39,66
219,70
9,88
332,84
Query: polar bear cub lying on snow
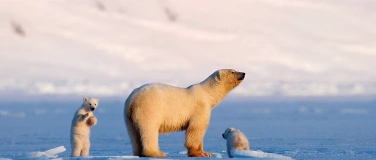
x,y
236,140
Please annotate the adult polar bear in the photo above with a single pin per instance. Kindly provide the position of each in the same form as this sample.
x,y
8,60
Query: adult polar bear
x,y
159,108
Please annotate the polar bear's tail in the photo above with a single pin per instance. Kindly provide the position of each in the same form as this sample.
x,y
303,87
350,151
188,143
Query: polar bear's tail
x,y
133,132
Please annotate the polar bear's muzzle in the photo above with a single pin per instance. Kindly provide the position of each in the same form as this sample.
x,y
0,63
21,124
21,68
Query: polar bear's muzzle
x,y
241,75
92,108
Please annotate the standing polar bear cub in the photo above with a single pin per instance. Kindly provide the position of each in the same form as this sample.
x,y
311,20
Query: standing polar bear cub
x,y
159,108
236,140
82,120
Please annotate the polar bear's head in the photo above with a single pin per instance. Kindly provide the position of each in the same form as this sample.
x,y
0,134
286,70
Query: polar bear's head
x,y
90,104
227,132
229,78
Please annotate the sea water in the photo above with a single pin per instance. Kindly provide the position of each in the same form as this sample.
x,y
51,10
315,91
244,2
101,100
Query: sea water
x,y
296,129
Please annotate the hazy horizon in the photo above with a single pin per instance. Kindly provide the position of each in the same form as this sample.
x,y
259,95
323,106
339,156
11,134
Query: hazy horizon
x,y
302,49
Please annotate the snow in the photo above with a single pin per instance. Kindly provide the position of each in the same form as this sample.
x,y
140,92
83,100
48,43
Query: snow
x,y
106,157
54,151
52,154
48,154
287,48
256,154
216,155
296,129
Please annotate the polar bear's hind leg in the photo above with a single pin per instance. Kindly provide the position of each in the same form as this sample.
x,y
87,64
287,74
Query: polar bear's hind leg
x,y
149,140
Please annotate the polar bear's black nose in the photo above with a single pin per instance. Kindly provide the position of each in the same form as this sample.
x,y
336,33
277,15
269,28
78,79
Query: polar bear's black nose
x,y
241,76
92,109
223,135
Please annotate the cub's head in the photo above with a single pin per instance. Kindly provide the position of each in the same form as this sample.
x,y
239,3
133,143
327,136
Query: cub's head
x,y
229,78
90,104
227,132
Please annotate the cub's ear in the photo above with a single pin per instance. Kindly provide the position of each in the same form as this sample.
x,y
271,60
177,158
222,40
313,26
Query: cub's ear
x,y
231,129
85,99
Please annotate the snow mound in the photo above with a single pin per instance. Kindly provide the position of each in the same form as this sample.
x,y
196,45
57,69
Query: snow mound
x,y
216,155
256,154
48,154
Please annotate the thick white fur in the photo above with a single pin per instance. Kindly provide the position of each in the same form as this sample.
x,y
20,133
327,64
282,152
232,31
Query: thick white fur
x,y
82,120
160,108
236,140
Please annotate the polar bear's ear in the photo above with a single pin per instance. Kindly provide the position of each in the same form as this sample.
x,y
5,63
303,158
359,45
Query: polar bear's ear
x,y
218,75
85,99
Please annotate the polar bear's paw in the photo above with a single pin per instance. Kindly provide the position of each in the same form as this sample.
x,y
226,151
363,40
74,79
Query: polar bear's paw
x,y
148,153
199,154
91,121
207,154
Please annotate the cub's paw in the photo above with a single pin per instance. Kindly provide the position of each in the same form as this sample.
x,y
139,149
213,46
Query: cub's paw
x,y
91,121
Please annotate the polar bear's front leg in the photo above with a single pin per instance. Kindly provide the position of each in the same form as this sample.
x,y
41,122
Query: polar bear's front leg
x,y
194,144
82,117
194,136
91,121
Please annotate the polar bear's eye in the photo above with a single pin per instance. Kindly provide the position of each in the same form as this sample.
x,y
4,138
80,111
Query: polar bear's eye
x,y
89,103
95,104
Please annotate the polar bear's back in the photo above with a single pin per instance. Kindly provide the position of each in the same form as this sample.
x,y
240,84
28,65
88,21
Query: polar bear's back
x,y
170,106
159,95
160,89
